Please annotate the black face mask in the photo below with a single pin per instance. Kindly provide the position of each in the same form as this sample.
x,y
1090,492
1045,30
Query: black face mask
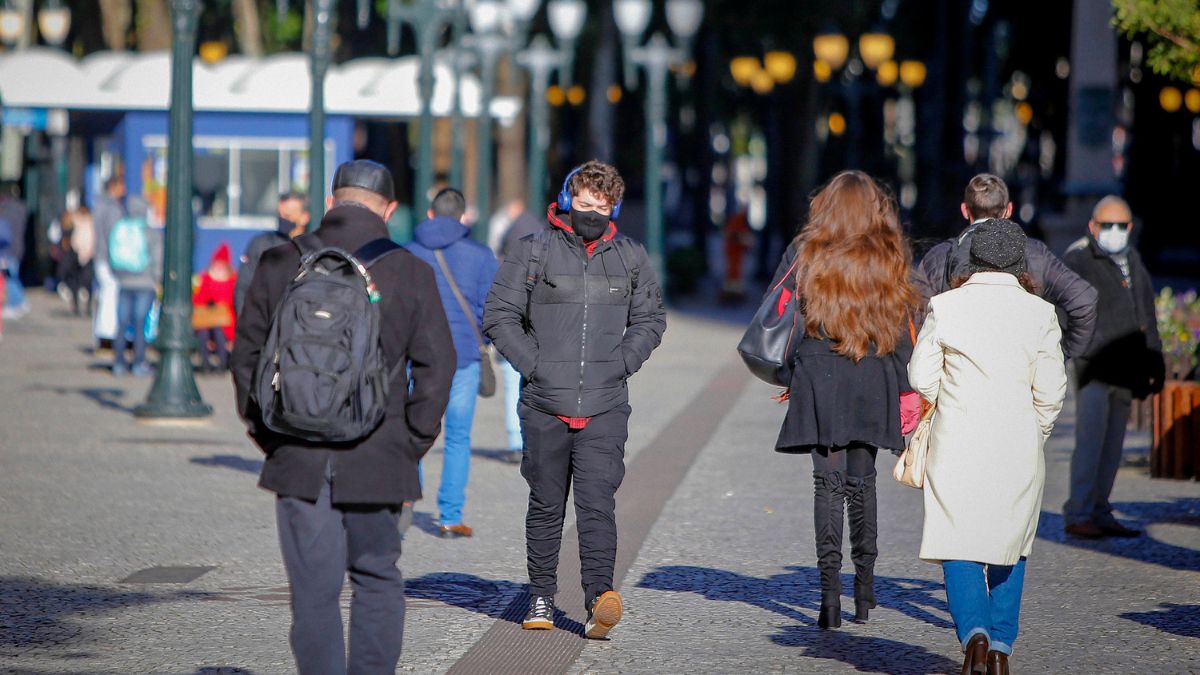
x,y
590,225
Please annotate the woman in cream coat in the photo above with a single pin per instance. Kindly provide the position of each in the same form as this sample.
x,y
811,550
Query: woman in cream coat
x,y
988,355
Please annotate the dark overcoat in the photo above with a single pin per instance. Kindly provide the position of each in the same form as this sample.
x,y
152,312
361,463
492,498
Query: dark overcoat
x,y
834,401
381,468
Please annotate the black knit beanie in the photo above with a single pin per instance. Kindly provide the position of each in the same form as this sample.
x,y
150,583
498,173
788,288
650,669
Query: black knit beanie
x,y
997,245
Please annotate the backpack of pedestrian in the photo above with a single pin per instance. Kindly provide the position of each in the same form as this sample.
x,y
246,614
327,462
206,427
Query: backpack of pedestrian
x,y
322,375
853,303
128,247
989,357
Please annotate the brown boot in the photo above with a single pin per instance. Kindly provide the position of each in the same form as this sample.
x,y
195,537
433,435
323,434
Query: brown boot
x,y
976,655
997,663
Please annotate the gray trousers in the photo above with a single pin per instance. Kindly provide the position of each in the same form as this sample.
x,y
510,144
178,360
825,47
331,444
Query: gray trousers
x,y
320,542
1101,414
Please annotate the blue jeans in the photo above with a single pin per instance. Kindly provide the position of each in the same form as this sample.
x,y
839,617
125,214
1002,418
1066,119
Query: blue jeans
x,y
16,290
985,599
456,465
512,396
133,306
1101,413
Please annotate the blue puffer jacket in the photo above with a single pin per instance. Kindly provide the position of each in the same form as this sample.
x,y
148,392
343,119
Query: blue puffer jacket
x,y
473,267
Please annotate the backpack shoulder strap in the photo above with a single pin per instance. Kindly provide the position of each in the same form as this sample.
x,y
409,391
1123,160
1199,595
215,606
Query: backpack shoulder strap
x,y
373,250
308,243
537,257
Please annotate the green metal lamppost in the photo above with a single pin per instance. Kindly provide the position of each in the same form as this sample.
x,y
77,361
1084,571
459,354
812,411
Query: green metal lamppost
x,y
428,18
656,57
174,393
318,64
541,60
489,43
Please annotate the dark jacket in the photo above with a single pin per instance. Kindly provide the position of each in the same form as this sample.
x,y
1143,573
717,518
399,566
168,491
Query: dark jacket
x,y
835,402
1126,350
473,266
381,468
1054,282
521,227
588,325
259,245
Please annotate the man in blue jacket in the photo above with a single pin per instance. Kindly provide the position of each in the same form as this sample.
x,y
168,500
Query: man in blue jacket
x,y
464,270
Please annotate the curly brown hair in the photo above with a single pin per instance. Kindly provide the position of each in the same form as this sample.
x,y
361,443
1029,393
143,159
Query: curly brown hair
x,y
601,179
853,267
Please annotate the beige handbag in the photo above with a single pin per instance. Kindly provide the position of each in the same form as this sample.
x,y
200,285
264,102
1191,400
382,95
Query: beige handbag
x,y
910,468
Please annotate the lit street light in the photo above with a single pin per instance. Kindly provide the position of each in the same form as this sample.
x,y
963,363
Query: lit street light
x,y
174,393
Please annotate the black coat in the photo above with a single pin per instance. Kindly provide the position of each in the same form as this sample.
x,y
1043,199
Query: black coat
x,y
1054,282
1126,350
381,468
254,251
835,402
587,326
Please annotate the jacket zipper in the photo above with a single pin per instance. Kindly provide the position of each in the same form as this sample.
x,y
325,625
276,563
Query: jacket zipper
x,y
583,336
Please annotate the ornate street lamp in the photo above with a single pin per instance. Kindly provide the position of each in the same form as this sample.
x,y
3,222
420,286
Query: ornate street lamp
x,y
319,64
832,47
566,21
656,57
875,48
912,74
174,393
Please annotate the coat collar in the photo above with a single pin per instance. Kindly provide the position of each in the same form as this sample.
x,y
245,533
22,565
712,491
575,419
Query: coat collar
x,y
992,279
557,222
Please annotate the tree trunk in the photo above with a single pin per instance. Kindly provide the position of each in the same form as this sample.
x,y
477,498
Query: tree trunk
x,y
247,27
115,16
153,25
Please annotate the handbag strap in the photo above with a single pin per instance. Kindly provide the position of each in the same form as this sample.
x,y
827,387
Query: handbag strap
x,y
462,302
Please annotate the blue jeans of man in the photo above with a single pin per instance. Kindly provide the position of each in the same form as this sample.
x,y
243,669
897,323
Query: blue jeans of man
x,y
320,542
1101,413
16,290
512,415
456,464
133,306
985,599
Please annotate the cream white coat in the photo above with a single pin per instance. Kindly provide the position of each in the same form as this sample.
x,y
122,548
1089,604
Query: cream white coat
x,y
989,354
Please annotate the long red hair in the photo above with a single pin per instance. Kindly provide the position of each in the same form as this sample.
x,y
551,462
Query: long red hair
x,y
853,266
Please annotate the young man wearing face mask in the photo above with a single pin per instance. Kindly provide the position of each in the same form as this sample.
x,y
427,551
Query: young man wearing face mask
x,y
1123,362
576,309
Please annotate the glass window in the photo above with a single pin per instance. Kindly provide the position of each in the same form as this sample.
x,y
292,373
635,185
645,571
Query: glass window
x,y
258,180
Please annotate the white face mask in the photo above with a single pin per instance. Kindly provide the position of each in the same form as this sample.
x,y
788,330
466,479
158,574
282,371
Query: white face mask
x,y
1113,239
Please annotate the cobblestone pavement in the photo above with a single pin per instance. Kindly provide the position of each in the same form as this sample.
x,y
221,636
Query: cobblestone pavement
x,y
132,548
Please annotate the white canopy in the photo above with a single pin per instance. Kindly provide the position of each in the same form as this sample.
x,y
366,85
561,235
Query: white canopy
x,y
41,77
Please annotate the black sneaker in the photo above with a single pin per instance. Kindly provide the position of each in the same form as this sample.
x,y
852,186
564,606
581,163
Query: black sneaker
x,y
604,613
540,615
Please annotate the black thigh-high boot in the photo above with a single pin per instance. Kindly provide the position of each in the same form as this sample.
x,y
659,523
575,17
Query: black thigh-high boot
x,y
829,493
862,512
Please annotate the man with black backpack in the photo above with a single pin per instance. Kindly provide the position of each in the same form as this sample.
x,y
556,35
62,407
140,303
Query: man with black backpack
x,y
944,266
576,309
342,363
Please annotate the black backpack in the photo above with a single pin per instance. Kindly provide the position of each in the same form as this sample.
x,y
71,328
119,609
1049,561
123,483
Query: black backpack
x,y
322,375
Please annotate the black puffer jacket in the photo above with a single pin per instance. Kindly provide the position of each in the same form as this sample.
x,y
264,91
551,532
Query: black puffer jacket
x,y
1126,350
1054,281
589,323
381,468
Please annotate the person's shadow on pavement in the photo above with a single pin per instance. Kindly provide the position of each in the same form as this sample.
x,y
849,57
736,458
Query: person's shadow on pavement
x,y
500,599
1177,619
1184,510
787,594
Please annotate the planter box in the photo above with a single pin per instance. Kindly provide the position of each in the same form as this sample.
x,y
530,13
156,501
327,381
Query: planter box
x,y
1176,450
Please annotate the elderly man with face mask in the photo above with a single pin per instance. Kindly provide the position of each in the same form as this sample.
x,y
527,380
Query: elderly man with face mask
x,y
1124,361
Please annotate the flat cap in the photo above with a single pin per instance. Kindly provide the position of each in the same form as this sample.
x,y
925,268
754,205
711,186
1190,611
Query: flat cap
x,y
367,175
998,245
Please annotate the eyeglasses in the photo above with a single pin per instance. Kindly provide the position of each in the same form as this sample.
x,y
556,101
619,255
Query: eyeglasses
x,y
1113,225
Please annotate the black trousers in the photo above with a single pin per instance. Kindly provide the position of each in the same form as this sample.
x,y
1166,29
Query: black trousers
x,y
320,542
591,459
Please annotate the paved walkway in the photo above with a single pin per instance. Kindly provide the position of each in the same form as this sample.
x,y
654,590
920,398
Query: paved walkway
x,y
128,548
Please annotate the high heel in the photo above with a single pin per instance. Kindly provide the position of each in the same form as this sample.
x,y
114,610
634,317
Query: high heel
x,y
830,616
862,610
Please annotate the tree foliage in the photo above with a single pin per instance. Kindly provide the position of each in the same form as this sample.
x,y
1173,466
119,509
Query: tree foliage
x,y
1171,29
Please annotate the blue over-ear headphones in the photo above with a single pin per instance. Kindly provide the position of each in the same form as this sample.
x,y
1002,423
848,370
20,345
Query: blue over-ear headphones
x,y
564,196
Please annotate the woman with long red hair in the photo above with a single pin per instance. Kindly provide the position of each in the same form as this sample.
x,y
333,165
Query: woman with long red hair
x,y
851,266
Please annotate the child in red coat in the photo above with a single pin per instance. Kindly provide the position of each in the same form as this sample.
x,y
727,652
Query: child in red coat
x,y
212,310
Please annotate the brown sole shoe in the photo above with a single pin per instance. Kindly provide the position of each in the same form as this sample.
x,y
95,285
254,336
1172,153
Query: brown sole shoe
x,y
454,531
605,614
537,624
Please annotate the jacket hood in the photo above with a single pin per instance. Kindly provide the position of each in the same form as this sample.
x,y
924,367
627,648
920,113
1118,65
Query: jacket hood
x,y
557,220
439,232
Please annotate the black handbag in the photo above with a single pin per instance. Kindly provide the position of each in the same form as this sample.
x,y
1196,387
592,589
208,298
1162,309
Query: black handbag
x,y
767,347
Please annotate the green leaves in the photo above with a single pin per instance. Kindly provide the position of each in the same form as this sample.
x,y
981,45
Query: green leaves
x,y
1171,30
